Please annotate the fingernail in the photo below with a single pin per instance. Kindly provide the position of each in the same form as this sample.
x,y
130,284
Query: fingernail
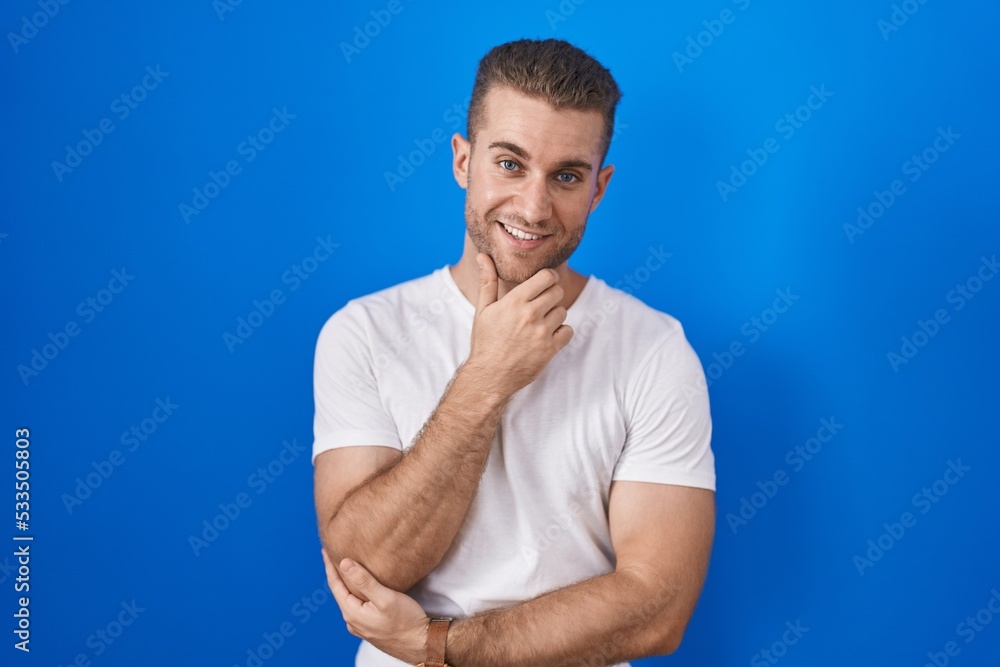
x,y
348,566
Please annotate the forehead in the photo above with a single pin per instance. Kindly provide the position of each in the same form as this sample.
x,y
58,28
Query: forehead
x,y
537,126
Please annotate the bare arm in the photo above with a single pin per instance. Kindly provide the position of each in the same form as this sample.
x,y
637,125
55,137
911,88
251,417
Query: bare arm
x,y
415,505
662,535
398,516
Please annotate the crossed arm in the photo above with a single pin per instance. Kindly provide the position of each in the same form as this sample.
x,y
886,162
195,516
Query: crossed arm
x,y
375,502
662,536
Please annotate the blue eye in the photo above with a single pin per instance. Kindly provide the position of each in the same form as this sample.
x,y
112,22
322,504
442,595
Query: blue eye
x,y
506,162
572,178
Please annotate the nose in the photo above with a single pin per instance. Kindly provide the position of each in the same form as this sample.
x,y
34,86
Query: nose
x,y
534,201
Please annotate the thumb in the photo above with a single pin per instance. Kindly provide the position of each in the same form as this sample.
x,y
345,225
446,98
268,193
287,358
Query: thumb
x,y
361,579
488,284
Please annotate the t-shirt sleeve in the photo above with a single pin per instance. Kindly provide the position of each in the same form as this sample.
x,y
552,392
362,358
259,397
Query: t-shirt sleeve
x,y
349,410
669,425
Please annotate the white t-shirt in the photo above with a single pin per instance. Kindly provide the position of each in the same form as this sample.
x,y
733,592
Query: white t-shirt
x,y
625,399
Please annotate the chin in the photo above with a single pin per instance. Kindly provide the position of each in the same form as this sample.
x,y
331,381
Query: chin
x,y
515,270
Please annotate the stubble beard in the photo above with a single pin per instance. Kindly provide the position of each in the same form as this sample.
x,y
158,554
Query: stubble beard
x,y
513,265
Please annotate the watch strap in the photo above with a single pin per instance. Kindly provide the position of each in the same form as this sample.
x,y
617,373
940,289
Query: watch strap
x,y
437,638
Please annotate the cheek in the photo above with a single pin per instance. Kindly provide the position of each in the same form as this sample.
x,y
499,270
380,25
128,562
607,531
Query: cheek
x,y
489,194
573,208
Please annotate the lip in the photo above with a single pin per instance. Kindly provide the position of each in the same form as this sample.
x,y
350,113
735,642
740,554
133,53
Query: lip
x,y
518,243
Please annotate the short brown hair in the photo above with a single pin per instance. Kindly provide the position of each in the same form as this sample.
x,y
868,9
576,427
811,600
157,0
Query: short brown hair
x,y
551,70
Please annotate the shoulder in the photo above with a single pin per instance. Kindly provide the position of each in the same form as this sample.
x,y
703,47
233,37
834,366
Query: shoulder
x,y
628,323
382,307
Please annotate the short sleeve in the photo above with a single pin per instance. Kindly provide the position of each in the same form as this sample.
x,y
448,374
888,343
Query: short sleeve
x,y
349,410
669,425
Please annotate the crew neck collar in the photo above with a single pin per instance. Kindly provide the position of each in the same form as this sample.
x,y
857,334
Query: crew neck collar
x,y
467,306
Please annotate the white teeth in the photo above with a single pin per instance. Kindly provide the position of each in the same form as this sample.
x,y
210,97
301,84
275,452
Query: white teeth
x,y
517,233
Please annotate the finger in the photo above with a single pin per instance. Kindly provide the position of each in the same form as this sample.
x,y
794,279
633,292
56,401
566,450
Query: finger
x,y
563,335
536,284
361,579
554,318
331,571
345,599
547,299
488,283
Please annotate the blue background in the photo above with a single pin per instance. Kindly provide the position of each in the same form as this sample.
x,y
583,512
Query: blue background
x,y
681,129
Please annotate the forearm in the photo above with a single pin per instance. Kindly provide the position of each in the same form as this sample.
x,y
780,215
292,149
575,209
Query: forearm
x,y
599,621
400,523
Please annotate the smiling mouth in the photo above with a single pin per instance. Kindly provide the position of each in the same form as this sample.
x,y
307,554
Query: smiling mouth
x,y
521,235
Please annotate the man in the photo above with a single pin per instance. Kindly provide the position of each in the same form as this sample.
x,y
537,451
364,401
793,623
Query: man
x,y
506,441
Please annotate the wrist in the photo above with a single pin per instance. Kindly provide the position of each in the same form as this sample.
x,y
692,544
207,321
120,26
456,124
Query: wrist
x,y
483,385
417,649
435,651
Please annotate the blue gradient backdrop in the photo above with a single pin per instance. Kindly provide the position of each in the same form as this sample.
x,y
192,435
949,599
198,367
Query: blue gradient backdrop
x,y
693,114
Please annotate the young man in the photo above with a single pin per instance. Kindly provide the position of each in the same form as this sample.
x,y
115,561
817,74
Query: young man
x,y
514,445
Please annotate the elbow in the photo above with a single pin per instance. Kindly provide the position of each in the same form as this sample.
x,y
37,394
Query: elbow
x,y
666,638
339,543
330,535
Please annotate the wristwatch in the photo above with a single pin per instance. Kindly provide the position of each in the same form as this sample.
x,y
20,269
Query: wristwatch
x,y
437,637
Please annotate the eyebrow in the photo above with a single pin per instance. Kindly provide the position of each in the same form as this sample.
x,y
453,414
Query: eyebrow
x,y
523,154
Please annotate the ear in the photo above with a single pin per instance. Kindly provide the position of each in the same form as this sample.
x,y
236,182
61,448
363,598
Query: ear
x,y
603,178
461,152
